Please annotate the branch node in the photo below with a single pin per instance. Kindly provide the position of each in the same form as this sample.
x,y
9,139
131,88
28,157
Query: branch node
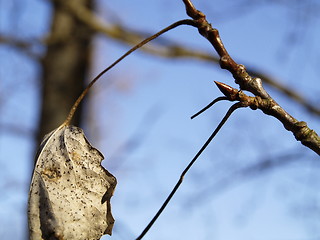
x,y
256,103
192,11
301,130
224,62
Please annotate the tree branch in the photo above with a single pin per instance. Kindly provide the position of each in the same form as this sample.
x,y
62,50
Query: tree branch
x,y
300,130
286,90
173,50
23,45
262,99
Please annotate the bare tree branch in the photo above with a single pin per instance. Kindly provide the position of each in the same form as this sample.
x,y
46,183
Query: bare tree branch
x,y
169,49
23,45
300,130
262,99
286,90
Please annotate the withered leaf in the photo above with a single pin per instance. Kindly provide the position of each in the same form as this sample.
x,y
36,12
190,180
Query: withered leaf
x,y
70,191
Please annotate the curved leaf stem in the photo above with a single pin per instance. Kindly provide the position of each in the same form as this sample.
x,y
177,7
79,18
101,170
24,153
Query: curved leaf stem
x,y
85,91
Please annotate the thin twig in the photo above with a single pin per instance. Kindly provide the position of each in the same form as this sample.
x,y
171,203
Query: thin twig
x,y
225,118
208,106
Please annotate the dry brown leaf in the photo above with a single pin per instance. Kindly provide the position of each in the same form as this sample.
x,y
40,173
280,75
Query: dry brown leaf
x,y
70,191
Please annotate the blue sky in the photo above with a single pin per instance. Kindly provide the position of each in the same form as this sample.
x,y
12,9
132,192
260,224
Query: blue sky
x,y
151,99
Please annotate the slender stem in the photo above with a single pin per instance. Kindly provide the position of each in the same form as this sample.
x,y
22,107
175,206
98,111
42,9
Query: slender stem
x,y
208,106
225,118
85,91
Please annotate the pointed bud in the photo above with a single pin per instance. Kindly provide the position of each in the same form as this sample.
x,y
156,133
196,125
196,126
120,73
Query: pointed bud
x,y
229,92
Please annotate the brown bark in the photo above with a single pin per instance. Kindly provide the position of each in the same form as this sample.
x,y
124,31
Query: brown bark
x,y
65,67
